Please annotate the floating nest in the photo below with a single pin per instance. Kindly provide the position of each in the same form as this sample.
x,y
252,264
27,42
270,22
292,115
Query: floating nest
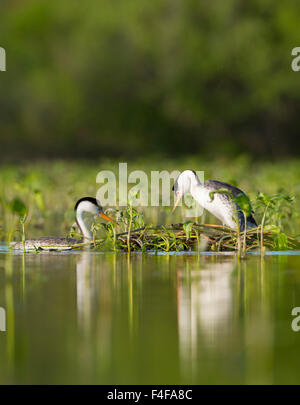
x,y
190,237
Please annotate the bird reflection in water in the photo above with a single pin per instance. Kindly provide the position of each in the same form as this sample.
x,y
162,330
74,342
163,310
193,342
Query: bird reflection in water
x,y
204,300
85,288
94,310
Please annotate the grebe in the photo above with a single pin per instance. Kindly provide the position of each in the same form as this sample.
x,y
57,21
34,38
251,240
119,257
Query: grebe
x,y
221,206
85,204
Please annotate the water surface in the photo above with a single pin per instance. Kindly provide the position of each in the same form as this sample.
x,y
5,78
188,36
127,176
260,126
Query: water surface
x,y
108,318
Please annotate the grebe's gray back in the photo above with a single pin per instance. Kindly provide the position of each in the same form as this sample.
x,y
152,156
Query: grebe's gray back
x,y
221,206
85,204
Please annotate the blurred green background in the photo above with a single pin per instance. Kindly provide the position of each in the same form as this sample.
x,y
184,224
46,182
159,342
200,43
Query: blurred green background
x,y
128,78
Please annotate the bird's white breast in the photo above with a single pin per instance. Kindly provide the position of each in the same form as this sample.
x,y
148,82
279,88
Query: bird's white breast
x,y
218,206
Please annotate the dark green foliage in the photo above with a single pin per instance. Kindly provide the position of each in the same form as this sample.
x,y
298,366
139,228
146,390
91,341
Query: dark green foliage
x,y
121,78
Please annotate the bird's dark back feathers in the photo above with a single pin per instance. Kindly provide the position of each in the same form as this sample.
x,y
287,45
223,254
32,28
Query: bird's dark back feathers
x,y
217,185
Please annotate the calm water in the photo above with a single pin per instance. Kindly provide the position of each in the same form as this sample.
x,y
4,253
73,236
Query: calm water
x,y
104,319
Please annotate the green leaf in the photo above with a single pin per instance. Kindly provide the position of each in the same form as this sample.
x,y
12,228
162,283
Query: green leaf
x,y
244,203
263,198
220,191
18,207
188,227
39,200
281,241
272,228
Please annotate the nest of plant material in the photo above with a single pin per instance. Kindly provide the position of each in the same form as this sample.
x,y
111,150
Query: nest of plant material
x,y
190,236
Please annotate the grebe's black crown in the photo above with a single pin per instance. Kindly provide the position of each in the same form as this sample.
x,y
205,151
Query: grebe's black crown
x,y
90,199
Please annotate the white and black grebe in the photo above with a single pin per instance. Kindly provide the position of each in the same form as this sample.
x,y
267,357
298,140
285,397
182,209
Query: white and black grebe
x,y
220,206
84,205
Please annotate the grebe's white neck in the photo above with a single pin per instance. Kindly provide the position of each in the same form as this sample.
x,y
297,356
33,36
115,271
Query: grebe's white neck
x,y
85,206
194,179
186,182
86,233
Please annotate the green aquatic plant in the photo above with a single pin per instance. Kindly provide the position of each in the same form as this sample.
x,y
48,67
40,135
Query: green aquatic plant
x,y
19,209
111,233
242,200
131,218
275,208
188,227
